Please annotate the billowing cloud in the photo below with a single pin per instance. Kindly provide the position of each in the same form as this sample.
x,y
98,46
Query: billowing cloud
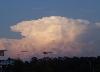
x,y
60,35
48,29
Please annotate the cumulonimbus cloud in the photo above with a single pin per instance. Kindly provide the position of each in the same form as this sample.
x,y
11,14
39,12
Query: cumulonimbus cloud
x,y
59,35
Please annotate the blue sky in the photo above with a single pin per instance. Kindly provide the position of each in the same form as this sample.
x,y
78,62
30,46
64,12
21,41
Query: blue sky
x,y
14,11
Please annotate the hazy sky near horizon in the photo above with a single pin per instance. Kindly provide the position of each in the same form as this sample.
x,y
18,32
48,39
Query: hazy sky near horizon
x,y
14,11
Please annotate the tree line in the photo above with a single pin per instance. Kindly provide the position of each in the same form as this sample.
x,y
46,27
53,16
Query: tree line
x,y
59,64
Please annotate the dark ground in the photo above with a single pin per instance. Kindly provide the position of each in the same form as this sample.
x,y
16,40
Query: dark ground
x,y
60,64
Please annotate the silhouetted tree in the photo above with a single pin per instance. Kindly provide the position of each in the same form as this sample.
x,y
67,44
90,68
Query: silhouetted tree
x,y
60,64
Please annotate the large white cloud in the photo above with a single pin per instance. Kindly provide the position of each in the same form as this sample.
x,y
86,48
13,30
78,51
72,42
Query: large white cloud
x,y
48,29
58,34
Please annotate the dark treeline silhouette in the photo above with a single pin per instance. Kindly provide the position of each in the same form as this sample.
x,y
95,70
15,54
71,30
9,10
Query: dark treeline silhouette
x,y
60,64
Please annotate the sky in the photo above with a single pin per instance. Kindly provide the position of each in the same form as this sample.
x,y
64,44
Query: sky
x,y
65,27
14,11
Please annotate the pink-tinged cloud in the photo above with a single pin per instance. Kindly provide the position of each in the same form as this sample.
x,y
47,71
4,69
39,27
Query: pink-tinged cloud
x,y
59,35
